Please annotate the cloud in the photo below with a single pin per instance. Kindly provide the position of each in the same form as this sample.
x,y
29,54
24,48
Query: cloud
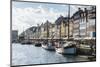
x,y
29,16
25,17
19,25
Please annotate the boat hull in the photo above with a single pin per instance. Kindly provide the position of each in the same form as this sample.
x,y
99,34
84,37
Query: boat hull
x,y
38,44
48,47
26,42
71,51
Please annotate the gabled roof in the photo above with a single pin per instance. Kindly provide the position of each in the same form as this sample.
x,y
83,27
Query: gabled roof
x,y
61,19
77,13
33,28
47,23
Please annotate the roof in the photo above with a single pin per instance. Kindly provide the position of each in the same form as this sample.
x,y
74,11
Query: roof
x,y
77,13
47,23
60,19
33,28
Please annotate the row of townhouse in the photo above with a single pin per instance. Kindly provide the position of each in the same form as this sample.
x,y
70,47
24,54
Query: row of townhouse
x,y
84,23
59,29
80,25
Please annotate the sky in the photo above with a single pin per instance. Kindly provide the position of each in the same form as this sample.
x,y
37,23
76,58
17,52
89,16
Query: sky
x,y
28,14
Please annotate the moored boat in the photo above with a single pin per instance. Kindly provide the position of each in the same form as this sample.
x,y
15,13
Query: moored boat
x,y
38,44
67,48
26,42
48,46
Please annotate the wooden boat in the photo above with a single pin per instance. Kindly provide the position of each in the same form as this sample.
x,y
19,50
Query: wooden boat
x,y
67,48
48,46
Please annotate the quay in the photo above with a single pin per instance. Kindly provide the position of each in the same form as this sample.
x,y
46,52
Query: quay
x,y
84,46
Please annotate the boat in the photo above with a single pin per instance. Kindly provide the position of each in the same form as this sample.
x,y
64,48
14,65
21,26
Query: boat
x,y
48,46
67,48
26,42
38,44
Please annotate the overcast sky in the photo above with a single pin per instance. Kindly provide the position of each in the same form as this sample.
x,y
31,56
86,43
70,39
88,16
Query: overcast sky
x,y
27,14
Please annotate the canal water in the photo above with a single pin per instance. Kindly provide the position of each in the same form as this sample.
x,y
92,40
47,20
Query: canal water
x,y
29,54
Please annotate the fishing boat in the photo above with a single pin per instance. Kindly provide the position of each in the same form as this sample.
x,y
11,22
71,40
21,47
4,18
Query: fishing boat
x,y
67,48
48,46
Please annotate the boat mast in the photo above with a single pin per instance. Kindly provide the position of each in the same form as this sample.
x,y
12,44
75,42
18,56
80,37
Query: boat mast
x,y
68,18
47,30
38,30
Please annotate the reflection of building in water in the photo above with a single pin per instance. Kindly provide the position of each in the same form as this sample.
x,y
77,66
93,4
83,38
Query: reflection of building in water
x,y
14,35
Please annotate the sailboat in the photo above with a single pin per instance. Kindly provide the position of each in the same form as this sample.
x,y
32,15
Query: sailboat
x,y
66,47
48,44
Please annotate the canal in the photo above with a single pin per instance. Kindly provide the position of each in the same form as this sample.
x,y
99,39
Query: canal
x,y
29,54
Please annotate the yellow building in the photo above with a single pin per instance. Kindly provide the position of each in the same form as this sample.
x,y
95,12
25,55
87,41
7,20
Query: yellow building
x,y
62,27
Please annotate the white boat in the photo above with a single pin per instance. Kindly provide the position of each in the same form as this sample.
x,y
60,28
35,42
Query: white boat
x,y
71,50
48,46
67,48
